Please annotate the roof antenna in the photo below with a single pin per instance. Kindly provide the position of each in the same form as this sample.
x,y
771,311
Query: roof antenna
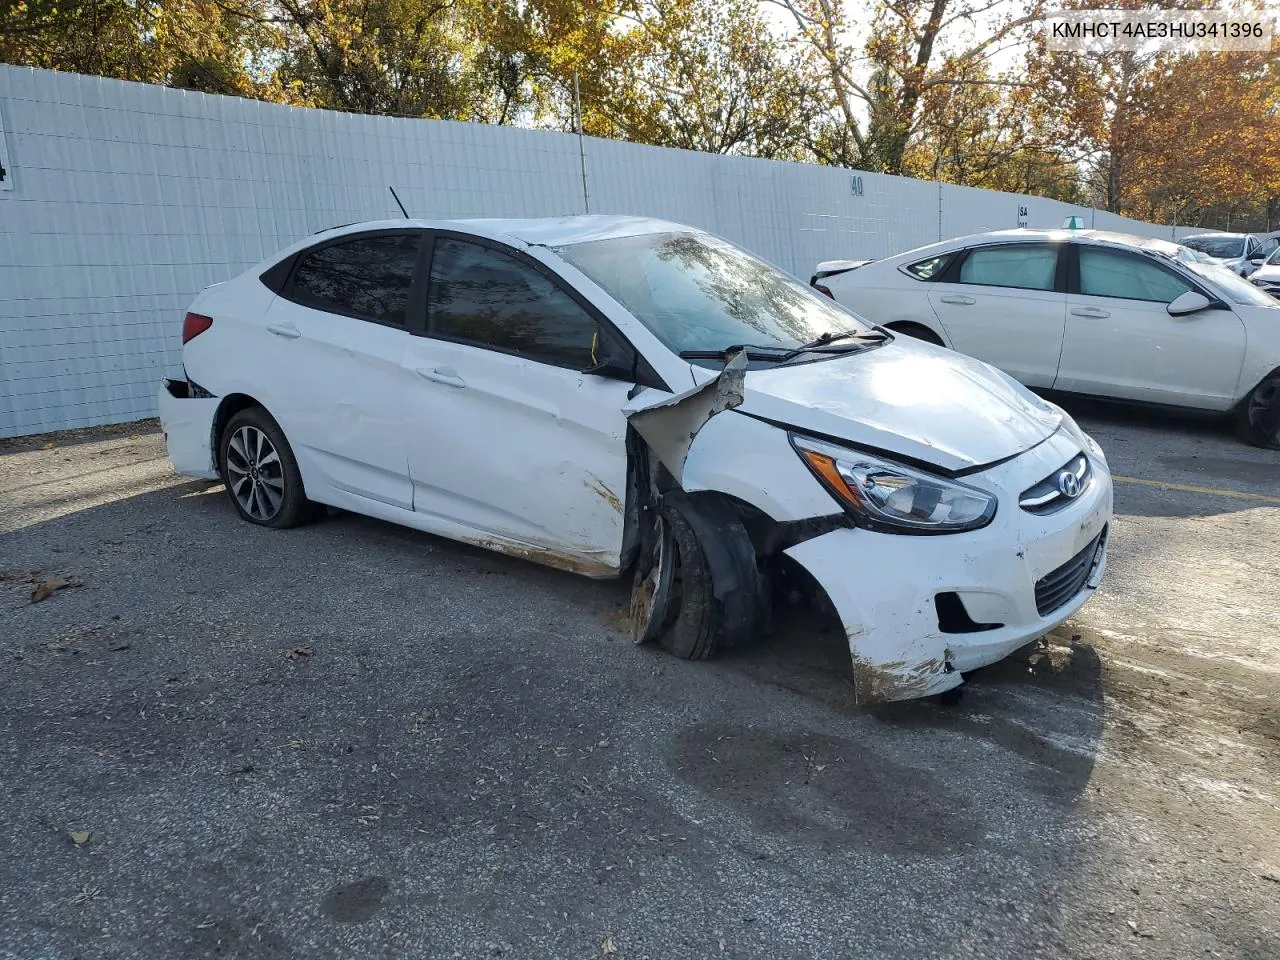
x,y
398,203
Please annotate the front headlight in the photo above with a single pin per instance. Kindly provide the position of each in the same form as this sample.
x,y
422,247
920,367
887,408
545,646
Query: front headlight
x,y
892,498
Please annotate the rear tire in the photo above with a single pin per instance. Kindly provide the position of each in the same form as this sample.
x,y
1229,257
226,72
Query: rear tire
x,y
918,331
260,472
1258,419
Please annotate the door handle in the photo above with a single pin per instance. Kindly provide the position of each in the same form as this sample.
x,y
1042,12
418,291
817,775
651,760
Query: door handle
x,y
958,298
1096,312
445,375
286,330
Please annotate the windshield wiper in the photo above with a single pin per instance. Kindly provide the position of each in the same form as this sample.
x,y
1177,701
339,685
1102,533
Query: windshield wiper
x,y
753,351
826,339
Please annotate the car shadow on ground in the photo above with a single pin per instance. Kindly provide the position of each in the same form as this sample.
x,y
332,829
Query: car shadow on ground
x,y
1045,703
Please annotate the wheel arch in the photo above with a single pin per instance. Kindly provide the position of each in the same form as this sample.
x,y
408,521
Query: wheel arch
x,y
231,404
919,330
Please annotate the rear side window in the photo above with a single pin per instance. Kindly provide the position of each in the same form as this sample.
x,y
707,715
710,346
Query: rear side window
x,y
367,278
929,269
1027,266
483,296
1110,273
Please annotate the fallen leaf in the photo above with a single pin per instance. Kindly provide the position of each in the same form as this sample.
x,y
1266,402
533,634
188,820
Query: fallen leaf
x,y
116,647
297,653
48,446
47,588
204,924
1133,925
80,837
607,947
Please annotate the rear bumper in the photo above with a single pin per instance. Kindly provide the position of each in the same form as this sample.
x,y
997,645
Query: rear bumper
x,y
188,430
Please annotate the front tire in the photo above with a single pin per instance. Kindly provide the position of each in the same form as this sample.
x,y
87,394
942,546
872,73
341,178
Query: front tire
x,y
698,587
260,472
1259,416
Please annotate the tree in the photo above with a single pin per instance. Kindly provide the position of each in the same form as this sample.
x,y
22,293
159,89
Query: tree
x,y
705,75
196,44
875,94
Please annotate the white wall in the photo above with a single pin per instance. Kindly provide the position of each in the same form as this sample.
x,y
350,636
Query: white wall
x,y
122,200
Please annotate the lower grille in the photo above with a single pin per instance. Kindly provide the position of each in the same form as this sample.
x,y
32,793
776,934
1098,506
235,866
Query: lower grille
x,y
1056,588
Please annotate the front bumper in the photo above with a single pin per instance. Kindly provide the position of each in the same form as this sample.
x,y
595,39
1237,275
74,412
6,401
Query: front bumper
x,y
883,586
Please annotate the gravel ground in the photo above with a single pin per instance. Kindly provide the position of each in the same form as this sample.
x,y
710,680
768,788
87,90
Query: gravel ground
x,y
354,740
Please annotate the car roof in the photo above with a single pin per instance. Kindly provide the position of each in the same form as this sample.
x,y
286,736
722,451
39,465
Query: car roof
x,y
533,231
1217,235
1023,234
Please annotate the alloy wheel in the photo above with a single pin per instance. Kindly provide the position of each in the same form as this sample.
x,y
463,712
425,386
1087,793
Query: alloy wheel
x,y
255,473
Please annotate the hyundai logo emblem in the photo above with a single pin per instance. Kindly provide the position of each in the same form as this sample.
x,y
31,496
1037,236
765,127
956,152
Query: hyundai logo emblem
x,y
1069,484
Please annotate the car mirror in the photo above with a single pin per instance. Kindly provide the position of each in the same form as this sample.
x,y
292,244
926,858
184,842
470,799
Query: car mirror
x,y
1257,261
608,360
1187,303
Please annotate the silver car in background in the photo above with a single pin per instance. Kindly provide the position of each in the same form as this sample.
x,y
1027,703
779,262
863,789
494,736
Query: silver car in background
x,y
1235,251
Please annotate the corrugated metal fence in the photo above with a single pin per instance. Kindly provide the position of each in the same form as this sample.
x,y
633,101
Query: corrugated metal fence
x,y
119,201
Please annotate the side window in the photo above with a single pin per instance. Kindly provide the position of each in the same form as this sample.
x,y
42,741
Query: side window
x,y
1028,266
1267,248
1108,273
482,296
367,278
929,269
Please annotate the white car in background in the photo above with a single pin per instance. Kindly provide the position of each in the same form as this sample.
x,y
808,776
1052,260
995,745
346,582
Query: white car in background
x,y
1267,276
1235,251
611,395
1079,311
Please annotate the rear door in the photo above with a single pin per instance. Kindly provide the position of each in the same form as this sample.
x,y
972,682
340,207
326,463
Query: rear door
x,y
1003,303
339,334
507,436
1122,342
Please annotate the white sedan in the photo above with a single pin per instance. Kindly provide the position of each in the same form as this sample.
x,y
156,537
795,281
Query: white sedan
x,y
613,395
1087,312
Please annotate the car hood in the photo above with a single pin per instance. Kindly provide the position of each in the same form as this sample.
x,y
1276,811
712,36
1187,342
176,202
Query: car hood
x,y
907,398
1268,272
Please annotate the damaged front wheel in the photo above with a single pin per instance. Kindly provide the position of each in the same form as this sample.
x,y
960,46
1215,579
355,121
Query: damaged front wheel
x,y
697,586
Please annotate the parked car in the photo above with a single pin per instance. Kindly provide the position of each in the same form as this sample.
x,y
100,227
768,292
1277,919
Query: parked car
x,y
1088,312
1235,251
1267,276
612,394
1268,244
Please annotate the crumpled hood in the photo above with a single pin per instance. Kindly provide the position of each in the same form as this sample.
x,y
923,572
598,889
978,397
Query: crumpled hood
x,y
908,398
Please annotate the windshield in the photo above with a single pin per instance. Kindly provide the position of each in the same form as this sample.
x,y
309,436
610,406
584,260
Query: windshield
x,y
1274,259
698,293
1228,284
1224,248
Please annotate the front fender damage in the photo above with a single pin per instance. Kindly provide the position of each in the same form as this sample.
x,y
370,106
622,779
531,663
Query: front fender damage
x,y
887,665
670,425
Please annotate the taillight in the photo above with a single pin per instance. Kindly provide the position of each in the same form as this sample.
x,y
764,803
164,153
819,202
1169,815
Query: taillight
x,y
194,325
826,291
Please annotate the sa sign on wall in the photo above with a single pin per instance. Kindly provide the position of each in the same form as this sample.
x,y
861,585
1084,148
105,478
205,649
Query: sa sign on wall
x,y
6,172
1023,215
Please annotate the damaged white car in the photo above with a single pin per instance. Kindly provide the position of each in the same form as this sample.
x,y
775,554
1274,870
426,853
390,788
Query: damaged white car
x,y
616,395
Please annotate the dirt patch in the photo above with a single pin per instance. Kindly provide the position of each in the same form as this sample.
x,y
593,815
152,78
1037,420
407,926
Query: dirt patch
x,y
355,902
826,789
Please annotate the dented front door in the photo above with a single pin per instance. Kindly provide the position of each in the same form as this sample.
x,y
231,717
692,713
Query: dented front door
x,y
521,450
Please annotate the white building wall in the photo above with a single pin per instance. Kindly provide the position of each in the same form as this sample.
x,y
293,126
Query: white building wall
x,y
121,201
